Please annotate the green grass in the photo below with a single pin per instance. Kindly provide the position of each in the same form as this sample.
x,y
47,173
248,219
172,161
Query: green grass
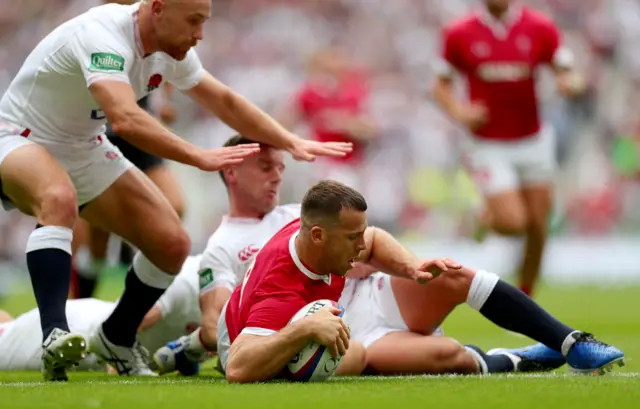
x,y
613,314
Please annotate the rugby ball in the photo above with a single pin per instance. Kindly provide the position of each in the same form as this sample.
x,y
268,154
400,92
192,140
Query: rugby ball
x,y
314,361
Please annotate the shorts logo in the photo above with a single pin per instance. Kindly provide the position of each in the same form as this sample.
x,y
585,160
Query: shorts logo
x,y
154,82
206,277
111,155
106,62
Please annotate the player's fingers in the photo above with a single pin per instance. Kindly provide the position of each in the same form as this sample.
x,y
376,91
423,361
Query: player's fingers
x,y
441,265
342,348
346,329
333,310
344,336
333,349
452,264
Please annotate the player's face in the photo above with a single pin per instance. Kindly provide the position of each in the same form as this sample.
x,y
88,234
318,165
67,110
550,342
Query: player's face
x,y
179,24
497,5
258,179
345,241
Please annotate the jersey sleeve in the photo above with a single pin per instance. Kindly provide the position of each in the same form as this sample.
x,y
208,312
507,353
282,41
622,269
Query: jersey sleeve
x,y
216,269
272,313
554,52
447,62
101,55
188,72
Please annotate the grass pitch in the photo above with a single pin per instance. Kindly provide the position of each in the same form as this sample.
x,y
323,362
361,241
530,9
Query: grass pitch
x,y
613,314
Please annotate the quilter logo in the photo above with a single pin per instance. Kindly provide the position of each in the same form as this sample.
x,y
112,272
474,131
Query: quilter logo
x,y
106,62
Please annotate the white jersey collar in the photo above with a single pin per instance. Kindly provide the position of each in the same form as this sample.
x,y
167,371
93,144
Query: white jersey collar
x,y
294,255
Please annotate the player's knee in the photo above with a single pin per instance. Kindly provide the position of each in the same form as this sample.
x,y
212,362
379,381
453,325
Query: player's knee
x,y
169,250
455,358
354,362
176,250
513,223
58,206
457,283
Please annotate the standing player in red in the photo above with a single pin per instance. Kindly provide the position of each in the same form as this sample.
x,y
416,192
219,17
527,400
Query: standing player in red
x,y
498,49
306,261
333,103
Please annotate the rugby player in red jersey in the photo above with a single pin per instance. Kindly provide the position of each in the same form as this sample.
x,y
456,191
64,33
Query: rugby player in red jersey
x,y
333,103
510,154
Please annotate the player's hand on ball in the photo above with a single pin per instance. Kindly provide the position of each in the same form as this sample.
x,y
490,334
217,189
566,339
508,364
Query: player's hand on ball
x,y
306,150
430,269
215,159
330,330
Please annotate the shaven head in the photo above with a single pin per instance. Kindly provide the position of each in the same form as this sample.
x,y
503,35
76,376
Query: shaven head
x,y
333,221
497,7
177,24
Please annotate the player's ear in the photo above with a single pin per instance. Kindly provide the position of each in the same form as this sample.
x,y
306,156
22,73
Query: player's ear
x,y
317,234
230,175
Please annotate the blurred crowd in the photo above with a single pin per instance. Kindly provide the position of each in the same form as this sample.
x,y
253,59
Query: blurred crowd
x,y
412,174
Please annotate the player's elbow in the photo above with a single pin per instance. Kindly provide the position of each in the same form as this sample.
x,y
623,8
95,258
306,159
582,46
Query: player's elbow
x,y
237,372
121,124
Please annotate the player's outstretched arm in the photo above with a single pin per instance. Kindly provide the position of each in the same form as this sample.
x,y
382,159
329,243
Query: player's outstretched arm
x,y
384,253
255,358
250,121
118,101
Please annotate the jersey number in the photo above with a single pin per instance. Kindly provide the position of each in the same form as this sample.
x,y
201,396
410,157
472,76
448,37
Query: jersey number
x,y
97,114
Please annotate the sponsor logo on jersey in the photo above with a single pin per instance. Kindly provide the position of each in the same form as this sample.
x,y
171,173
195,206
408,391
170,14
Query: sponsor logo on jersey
x,y
106,62
205,277
504,72
154,82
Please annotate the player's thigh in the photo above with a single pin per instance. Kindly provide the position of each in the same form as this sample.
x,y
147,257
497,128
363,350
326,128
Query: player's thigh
x,y
35,182
400,353
161,175
354,361
424,307
537,170
131,206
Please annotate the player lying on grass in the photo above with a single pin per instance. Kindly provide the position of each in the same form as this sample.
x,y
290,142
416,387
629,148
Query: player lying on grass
x,y
404,311
176,313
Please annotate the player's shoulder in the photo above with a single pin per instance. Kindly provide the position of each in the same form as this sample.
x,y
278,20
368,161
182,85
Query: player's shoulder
x,y
288,211
538,18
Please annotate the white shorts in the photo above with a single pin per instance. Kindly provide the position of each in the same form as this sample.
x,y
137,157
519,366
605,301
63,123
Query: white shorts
x,y
92,169
500,166
372,310
224,341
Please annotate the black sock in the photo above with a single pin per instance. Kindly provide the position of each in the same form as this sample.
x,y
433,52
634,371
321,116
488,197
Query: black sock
x,y
50,272
513,310
126,254
138,298
495,363
86,286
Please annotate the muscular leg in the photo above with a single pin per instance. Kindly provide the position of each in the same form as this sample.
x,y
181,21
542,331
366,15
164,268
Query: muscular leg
x,y
538,205
166,181
354,361
135,209
507,213
97,240
424,307
402,352
38,185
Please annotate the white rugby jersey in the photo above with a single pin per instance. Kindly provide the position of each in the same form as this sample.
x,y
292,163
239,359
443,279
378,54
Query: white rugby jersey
x,y
50,95
233,246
